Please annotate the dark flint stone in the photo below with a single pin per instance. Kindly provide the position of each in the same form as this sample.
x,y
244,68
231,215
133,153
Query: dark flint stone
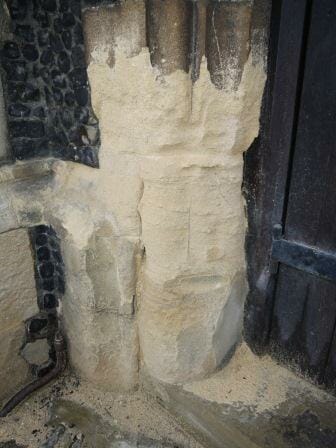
x,y
82,115
41,240
58,96
45,75
43,19
18,110
42,228
46,269
47,57
63,62
36,325
66,118
55,121
26,128
52,233
48,285
61,285
16,71
58,26
59,270
43,254
57,256
78,34
25,32
36,70
61,138
78,57
43,148
78,77
48,96
67,39
23,92
30,52
42,370
61,152
64,5
91,158
23,149
11,50
49,301
68,20
75,6
49,5
56,43
17,9
58,79
81,96
39,112
43,37
76,135
69,98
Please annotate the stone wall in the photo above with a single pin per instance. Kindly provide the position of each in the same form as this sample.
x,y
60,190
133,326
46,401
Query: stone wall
x,y
3,128
17,303
153,241
45,82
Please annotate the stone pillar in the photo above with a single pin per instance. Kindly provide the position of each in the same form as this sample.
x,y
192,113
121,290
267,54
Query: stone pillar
x,y
172,147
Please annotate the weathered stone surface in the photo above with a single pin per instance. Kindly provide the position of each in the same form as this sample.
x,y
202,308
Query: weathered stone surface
x,y
4,147
154,240
43,58
17,303
111,266
187,147
36,352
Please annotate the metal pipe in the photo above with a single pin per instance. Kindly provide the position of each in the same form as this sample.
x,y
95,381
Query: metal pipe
x,y
61,361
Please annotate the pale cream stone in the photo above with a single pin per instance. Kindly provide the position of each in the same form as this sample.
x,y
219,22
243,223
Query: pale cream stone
x,y
153,241
17,303
186,143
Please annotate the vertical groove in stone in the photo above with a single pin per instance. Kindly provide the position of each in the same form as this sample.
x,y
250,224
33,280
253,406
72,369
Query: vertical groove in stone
x,y
227,41
169,25
197,38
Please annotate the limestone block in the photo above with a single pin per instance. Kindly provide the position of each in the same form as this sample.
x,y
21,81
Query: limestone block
x,y
111,266
107,27
17,303
180,146
103,347
101,331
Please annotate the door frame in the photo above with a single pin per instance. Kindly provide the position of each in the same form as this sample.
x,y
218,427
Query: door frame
x,y
267,165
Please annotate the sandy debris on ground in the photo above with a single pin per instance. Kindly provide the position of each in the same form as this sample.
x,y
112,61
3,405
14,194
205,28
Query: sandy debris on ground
x,y
132,413
249,380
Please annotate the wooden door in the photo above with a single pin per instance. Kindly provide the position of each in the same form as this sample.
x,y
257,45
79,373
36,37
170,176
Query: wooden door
x,y
293,285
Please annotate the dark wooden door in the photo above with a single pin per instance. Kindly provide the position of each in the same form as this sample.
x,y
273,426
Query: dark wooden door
x,y
297,240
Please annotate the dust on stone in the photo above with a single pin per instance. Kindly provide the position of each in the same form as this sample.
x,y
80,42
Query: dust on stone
x,y
70,413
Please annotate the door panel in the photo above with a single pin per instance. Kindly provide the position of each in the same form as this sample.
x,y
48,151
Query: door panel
x,y
304,313
300,329
311,208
